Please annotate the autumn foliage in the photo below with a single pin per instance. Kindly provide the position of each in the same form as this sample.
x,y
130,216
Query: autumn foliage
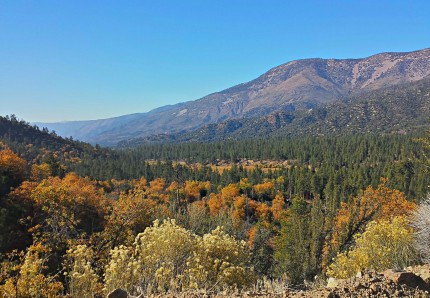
x,y
12,169
84,237
381,203
386,243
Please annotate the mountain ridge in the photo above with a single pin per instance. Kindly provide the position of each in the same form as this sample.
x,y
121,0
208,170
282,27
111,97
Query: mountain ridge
x,y
295,85
398,108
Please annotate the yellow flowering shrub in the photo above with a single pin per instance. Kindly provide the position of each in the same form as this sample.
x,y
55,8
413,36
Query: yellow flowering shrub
x,y
82,280
162,250
123,271
30,281
384,244
381,203
167,257
219,261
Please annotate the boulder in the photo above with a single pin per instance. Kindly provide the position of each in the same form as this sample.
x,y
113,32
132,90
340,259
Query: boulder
x,y
422,271
372,284
406,278
118,293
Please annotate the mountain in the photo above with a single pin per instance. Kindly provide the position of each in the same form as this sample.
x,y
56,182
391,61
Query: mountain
x,y
86,130
295,86
396,108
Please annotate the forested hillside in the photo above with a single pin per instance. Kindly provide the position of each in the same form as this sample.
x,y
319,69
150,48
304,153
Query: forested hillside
x,y
33,143
145,219
398,108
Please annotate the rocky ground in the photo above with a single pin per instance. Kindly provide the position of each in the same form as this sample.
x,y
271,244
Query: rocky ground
x,y
413,282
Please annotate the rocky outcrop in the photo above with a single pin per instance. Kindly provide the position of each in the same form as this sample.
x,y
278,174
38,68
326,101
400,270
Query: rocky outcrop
x,y
406,278
390,283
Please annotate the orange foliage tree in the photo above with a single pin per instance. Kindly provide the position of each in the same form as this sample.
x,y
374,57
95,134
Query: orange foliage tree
x,y
229,192
157,191
279,208
40,172
12,169
240,209
195,190
215,204
264,191
64,209
130,215
352,217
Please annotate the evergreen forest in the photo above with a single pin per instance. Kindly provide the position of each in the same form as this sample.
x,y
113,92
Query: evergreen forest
x,y
78,220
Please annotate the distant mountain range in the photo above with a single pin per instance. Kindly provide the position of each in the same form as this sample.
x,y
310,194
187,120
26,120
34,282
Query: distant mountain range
x,y
317,96
395,109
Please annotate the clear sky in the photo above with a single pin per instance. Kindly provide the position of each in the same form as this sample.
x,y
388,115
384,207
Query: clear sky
x,y
75,60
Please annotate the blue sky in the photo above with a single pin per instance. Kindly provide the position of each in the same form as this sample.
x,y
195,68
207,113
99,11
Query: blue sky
x,y
75,60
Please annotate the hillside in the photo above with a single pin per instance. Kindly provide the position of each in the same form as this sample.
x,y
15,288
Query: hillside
x,y
297,85
19,132
392,109
37,145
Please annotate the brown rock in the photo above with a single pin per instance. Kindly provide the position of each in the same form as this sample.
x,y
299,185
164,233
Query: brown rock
x,y
359,286
375,288
422,271
406,278
118,293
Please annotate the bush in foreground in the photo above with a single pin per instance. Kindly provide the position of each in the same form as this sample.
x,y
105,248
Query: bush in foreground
x,y
219,261
166,257
384,244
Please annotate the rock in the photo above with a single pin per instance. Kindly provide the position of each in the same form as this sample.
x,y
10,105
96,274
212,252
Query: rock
x,y
332,295
422,271
118,293
375,288
373,284
375,279
406,278
358,286
332,283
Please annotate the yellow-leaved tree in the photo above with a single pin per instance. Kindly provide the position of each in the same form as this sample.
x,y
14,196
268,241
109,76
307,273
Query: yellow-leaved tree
x,y
12,170
123,271
155,262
